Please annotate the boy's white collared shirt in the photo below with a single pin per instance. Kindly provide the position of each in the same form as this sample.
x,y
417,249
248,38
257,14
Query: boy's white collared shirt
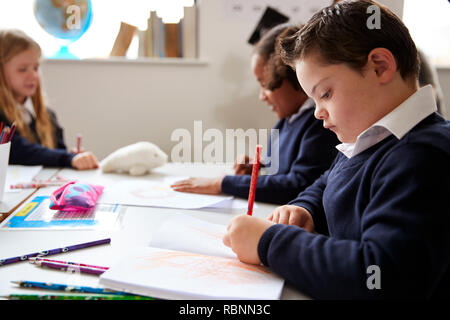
x,y
398,122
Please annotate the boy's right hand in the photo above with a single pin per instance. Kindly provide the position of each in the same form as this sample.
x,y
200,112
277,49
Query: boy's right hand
x,y
242,165
292,215
85,161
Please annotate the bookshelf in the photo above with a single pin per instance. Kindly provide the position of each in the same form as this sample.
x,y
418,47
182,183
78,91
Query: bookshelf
x,y
161,40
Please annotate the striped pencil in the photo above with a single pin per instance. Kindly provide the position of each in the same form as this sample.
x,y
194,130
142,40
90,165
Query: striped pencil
x,y
37,259
68,288
69,267
32,185
4,262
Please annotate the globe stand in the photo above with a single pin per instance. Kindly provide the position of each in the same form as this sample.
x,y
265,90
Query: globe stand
x,y
64,53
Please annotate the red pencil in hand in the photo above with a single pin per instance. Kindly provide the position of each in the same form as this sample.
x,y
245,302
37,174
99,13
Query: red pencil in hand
x,y
79,143
255,169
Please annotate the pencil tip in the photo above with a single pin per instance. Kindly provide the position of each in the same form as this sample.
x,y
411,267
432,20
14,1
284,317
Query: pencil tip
x,y
16,282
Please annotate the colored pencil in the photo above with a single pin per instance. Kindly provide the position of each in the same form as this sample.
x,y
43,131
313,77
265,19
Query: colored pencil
x,y
68,288
69,267
254,179
36,259
11,132
33,185
78,143
73,297
54,251
2,136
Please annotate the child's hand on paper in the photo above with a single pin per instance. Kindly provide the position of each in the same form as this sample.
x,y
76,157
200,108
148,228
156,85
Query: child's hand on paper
x,y
292,215
243,234
242,165
199,185
85,161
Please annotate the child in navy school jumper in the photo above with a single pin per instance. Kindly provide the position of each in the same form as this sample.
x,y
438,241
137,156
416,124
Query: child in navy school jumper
x,y
380,213
38,139
305,149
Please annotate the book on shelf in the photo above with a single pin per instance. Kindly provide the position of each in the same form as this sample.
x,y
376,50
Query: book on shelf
x,y
172,40
123,39
189,32
186,259
155,30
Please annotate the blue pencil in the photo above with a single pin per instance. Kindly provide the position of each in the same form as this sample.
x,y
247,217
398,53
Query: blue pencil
x,y
68,288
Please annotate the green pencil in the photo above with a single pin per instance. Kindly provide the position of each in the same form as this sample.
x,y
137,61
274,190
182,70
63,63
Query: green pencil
x,y
74,297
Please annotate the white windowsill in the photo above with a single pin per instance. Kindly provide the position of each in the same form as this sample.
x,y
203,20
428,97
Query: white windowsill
x,y
166,61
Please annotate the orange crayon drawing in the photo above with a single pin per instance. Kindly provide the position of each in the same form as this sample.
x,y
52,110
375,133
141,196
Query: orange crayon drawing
x,y
197,266
207,233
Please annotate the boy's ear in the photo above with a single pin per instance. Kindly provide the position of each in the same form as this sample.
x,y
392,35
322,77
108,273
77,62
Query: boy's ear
x,y
383,63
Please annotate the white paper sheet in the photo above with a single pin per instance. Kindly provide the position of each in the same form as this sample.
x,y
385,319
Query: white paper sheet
x,y
186,233
156,193
20,174
173,274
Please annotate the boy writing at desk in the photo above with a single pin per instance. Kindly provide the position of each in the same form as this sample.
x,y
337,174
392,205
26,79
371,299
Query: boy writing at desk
x,y
383,204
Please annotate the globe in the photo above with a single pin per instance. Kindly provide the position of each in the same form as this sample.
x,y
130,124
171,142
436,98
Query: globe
x,y
66,20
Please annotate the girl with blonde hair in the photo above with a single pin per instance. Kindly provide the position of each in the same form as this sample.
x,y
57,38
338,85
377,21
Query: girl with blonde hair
x,y
38,139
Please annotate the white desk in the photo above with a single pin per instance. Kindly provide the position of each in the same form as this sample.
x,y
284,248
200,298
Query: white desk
x,y
138,226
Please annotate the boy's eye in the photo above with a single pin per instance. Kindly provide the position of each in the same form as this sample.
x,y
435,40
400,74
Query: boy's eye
x,y
326,95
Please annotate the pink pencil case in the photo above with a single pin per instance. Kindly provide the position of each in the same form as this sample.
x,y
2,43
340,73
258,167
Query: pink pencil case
x,y
75,197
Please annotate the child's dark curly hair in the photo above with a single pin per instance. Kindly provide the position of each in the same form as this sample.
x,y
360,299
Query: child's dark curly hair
x,y
275,70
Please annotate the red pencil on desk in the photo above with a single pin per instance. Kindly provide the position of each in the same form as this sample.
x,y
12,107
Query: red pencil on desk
x,y
68,266
255,169
36,259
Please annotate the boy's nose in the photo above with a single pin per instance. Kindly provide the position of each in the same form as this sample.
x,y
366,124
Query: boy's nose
x,y
320,113
262,94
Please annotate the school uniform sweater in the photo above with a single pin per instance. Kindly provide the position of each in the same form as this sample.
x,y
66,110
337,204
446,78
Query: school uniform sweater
x,y
306,150
385,207
24,152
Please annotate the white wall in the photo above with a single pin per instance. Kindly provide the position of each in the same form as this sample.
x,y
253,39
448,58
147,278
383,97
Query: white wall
x,y
444,81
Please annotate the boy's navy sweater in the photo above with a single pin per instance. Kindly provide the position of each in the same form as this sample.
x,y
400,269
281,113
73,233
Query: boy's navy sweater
x,y
27,153
387,206
306,150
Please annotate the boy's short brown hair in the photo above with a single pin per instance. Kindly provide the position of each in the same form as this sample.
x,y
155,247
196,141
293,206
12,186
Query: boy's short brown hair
x,y
340,33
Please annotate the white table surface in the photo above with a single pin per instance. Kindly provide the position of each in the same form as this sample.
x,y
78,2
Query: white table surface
x,y
138,226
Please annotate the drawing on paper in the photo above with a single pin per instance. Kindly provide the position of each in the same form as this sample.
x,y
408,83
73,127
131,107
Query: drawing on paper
x,y
207,233
197,266
153,192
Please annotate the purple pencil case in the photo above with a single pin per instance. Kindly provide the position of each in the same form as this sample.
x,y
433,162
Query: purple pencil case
x,y
75,197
